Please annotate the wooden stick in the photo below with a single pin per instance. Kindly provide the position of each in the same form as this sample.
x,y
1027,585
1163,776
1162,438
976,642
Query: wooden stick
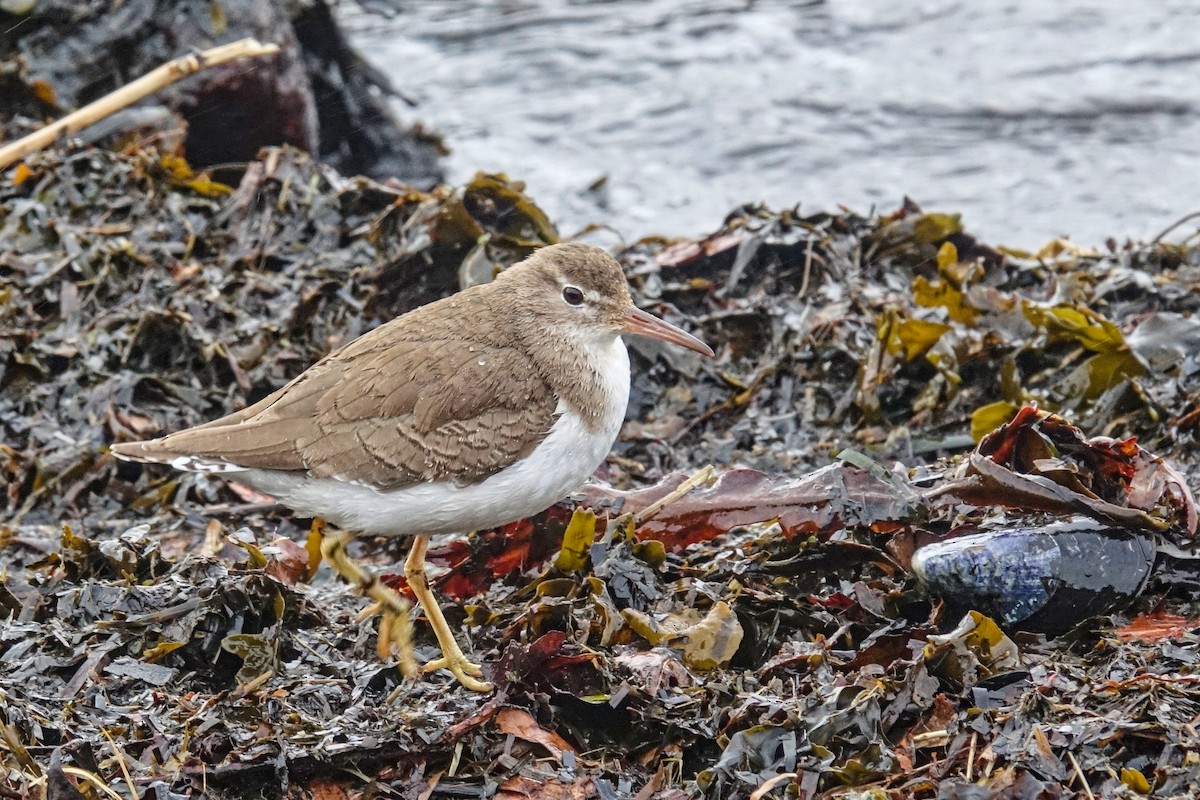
x,y
703,476
120,754
1075,765
93,779
144,86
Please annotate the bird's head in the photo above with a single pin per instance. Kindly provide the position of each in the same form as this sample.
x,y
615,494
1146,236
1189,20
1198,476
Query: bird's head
x,y
579,291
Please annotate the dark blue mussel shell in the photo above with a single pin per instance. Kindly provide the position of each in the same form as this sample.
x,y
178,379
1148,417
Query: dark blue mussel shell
x,y
1038,579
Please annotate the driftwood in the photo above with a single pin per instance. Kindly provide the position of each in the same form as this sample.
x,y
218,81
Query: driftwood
x,y
141,88
316,93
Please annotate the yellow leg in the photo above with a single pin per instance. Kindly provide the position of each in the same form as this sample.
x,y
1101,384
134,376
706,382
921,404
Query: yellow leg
x,y
453,658
395,629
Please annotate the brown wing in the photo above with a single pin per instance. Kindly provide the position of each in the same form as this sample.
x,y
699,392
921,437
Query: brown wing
x,y
412,411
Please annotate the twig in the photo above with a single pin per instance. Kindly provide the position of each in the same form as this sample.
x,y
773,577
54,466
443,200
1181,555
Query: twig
x,y
1174,225
931,739
741,398
703,475
971,756
144,86
765,787
93,779
808,260
1086,788
253,685
120,754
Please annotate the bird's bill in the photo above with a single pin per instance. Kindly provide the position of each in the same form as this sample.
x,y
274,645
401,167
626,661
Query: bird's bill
x,y
644,324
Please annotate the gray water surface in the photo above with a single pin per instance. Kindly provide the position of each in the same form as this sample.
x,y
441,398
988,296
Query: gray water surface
x,y
1034,118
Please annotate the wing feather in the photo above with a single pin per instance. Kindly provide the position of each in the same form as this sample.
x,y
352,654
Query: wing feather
x,y
410,412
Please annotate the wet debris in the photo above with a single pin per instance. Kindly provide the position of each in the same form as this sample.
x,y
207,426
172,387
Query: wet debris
x,y
911,330
764,635
1040,461
317,94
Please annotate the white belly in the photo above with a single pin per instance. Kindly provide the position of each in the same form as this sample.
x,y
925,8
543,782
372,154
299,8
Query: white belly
x,y
566,458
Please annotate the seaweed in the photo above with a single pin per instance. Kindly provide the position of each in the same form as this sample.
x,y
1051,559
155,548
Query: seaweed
x,y
758,636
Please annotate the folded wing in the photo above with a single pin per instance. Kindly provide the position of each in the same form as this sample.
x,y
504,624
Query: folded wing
x,y
410,412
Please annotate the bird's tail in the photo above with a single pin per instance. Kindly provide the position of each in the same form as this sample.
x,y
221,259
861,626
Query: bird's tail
x,y
159,451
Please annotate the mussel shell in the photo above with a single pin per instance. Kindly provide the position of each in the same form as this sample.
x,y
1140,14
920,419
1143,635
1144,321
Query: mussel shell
x,y
1038,579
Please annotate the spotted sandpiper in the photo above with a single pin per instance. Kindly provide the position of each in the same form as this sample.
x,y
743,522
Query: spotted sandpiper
x,y
470,412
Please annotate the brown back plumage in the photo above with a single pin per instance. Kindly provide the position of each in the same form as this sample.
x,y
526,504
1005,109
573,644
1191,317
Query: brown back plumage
x,y
454,391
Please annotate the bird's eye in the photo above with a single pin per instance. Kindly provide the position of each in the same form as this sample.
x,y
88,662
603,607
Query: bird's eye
x,y
573,295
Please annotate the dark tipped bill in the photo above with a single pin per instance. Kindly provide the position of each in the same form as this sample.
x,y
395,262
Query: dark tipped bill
x,y
644,324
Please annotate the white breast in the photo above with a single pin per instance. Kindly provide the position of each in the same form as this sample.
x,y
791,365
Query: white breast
x,y
567,457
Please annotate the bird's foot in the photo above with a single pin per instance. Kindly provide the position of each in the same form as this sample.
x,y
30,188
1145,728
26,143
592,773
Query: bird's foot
x,y
368,611
464,663
453,658
395,627
395,635
467,673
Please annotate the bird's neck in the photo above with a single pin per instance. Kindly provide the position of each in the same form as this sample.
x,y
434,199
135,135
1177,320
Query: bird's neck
x,y
590,376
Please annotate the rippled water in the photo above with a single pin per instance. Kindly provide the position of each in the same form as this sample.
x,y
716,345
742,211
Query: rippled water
x,y
1033,118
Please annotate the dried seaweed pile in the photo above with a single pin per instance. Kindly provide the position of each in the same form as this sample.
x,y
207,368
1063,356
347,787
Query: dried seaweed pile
x,y
761,636
903,334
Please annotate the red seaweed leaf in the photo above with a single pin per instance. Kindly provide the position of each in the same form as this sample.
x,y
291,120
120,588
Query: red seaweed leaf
x,y
1040,461
818,503
1155,626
